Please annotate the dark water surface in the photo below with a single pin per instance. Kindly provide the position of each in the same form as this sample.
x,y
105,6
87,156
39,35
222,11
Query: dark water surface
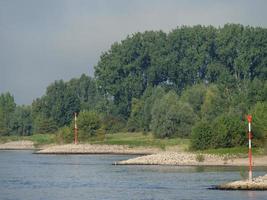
x,y
28,176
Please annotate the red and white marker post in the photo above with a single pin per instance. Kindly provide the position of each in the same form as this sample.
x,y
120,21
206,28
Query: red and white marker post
x,y
249,118
75,129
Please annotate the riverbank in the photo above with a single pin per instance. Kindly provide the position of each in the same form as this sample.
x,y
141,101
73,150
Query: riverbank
x,y
191,159
173,155
18,145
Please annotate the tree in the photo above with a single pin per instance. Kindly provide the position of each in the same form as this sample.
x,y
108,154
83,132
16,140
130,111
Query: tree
x,y
58,104
135,121
21,122
88,123
42,125
201,135
228,130
171,117
195,96
7,108
259,117
213,104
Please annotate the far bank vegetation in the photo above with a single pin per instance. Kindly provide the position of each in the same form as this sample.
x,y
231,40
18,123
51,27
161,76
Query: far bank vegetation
x,y
196,83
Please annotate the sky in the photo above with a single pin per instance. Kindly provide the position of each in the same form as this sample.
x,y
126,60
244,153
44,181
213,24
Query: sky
x,y
46,40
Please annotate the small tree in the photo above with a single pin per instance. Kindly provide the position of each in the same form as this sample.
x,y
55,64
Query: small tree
x,y
228,131
42,125
171,117
201,135
88,123
259,120
64,135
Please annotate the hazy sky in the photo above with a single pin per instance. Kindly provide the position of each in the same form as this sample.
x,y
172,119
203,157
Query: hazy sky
x,y
46,40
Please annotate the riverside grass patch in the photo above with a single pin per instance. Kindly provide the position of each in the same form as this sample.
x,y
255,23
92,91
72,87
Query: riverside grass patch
x,y
140,140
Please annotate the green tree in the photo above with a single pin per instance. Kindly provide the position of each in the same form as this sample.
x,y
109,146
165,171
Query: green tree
x,y
7,108
42,125
213,104
201,135
259,120
171,117
88,124
228,131
195,96
21,122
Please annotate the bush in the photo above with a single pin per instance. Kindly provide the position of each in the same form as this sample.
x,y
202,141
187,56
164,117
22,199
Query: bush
x,y
88,123
112,124
228,131
259,120
135,121
44,125
201,135
171,117
65,135
225,131
200,158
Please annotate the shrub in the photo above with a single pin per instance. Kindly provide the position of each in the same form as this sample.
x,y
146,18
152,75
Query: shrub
x,y
44,125
228,131
171,117
112,124
201,135
225,131
88,123
200,158
259,120
64,135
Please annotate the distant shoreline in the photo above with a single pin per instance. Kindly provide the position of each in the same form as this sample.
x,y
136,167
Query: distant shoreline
x,y
191,159
144,155
18,145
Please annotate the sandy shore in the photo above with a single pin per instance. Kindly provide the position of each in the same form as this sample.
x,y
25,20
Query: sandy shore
x,y
259,183
18,145
96,149
191,159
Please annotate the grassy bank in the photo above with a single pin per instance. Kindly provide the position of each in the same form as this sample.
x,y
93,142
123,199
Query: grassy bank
x,y
38,139
137,140
142,140
130,139
235,151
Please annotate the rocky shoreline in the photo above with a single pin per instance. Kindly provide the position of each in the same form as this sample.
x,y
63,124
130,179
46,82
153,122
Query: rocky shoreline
x,y
18,145
146,156
259,183
97,149
191,159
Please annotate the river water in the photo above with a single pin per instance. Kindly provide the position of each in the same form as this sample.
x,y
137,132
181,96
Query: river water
x,y
28,176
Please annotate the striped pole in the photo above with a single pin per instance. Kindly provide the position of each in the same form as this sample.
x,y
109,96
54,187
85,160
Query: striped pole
x,y
249,117
75,129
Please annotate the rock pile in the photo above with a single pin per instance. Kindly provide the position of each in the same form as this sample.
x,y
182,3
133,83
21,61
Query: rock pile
x,y
259,183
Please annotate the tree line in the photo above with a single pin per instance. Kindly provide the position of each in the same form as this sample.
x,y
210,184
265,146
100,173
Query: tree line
x,y
197,82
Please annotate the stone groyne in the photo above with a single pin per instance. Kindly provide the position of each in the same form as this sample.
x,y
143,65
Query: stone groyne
x,y
191,159
259,183
96,149
18,145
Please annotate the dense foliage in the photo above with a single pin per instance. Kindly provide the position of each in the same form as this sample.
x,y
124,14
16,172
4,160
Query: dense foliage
x,y
197,82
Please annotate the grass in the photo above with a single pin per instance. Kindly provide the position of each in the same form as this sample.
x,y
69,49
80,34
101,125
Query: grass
x,y
141,140
234,151
138,140
38,139
130,139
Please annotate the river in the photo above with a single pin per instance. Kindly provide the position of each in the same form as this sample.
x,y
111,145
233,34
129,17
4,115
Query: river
x,y
28,176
